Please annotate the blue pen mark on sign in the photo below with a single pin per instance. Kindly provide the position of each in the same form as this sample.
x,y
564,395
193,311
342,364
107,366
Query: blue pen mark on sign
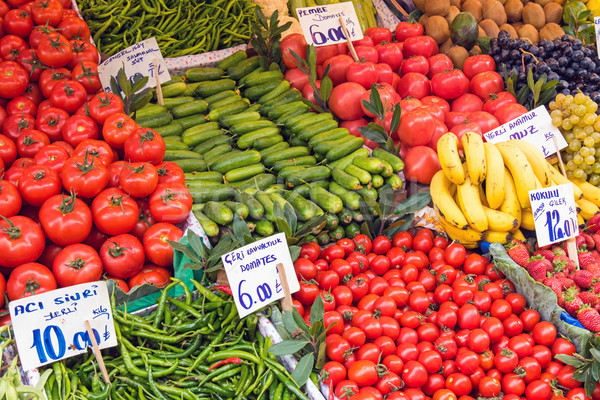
x,y
101,311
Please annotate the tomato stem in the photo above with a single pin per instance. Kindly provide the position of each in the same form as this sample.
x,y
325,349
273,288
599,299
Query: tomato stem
x,y
77,263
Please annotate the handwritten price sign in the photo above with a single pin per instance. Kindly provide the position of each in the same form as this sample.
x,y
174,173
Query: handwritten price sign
x,y
253,276
597,28
554,214
50,326
321,25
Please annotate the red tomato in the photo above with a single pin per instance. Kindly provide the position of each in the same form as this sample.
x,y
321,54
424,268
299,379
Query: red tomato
x,y
417,64
486,83
468,102
27,280
509,112
75,264
114,212
83,176
158,250
439,63
345,101
404,30
65,220
13,79
497,101
86,73
74,28
379,35
450,85
363,73
390,54
79,128
414,85
103,105
151,274
54,50
420,45
421,163
477,64
298,79
337,68
122,256
144,144
296,43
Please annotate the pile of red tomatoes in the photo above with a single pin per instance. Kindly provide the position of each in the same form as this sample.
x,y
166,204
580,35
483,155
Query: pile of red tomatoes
x,y
416,318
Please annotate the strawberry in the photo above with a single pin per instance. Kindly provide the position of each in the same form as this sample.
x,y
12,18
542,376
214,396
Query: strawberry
x,y
596,287
558,251
583,278
546,253
518,252
580,241
589,241
572,301
589,298
594,269
560,301
596,239
589,318
567,282
554,284
593,224
562,263
585,257
538,267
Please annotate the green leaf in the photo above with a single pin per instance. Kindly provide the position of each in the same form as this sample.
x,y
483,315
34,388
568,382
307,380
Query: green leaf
x,y
537,90
395,119
570,360
376,101
185,250
315,328
311,58
197,245
289,322
287,347
389,145
530,81
523,94
124,82
317,310
595,353
283,226
290,217
114,87
546,97
240,228
413,203
300,321
326,87
294,252
550,84
364,210
303,369
402,225
375,133
386,200
139,83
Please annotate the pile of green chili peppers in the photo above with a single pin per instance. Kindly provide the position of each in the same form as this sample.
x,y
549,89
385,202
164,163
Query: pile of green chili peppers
x,y
187,349
181,27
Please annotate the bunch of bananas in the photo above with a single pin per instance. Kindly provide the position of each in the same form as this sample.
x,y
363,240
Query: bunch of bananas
x,y
486,197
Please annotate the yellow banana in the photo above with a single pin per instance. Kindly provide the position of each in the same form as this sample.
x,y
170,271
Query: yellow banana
x,y
464,235
441,194
482,197
560,179
587,208
517,234
471,206
522,172
527,221
495,236
590,192
472,145
494,180
580,220
447,149
511,204
536,159
500,221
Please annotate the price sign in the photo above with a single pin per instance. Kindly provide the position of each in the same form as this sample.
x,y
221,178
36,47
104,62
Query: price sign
x,y
534,127
137,59
321,24
554,213
597,27
50,326
253,275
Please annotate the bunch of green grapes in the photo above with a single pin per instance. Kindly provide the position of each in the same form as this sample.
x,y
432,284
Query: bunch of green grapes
x,y
576,118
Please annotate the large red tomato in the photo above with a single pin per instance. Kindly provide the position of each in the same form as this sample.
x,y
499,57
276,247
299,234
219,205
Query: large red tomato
x,y
122,256
297,78
486,83
414,85
477,64
420,46
390,54
156,245
416,128
363,73
21,241
421,163
345,101
296,43
66,220
450,85
509,112
337,68
404,30
13,79
75,264
29,279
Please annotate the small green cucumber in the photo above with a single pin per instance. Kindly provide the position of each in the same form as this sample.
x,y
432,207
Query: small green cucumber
x,y
350,199
264,228
395,161
364,177
333,134
285,154
243,173
190,108
232,60
377,181
246,116
267,141
274,148
343,147
282,87
255,209
208,225
345,161
247,140
239,209
204,74
218,212
172,130
208,88
203,147
326,200
373,165
345,180
306,160
250,126
212,193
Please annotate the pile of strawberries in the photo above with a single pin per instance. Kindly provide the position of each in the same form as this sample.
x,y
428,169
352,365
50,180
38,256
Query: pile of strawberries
x,y
577,290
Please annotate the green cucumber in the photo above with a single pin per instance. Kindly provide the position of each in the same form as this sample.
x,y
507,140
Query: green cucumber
x,y
282,87
250,126
308,122
345,180
323,146
218,212
295,142
206,175
191,164
241,82
309,174
212,193
190,108
281,109
243,68
239,209
225,102
352,230
274,148
323,239
174,79
377,181
208,225
388,170
173,129
204,74
254,107
230,161
232,60
204,147
373,165
225,94
326,200
369,192
337,233
288,96
298,118
230,109
217,151
243,173
364,177
331,221
171,155
342,147
255,209
264,228
246,116
190,90
175,145
334,134
285,154
306,160
177,101
347,160
314,129
155,121
267,204
291,114
150,110
350,199
192,120
195,138
395,161
345,216
208,88
246,140
303,190
395,182
173,89
278,199
305,209
263,78
260,181
255,92
268,141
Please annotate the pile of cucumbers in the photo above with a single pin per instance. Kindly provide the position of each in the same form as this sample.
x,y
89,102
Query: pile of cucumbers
x,y
246,140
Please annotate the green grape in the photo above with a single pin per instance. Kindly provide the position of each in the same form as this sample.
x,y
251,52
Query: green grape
x,y
557,121
597,125
552,105
595,179
580,111
580,135
567,125
569,174
589,141
556,113
568,99
588,129
596,167
571,166
579,98
584,151
589,119
575,145
560,98
578,173
578,159
592,151
569,137
596,136
589,160
591,107
568,155
574,119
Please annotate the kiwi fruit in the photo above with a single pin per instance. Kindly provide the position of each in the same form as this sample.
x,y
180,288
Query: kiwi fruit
x,y
423,19
455,3
543,3
437,27
490,28
511,31
514,10
551,31
494,10
444,48
553,13
529,32
452,12
517,25
420,4
481,32
475,51
474,7
533,14
458,55
437,7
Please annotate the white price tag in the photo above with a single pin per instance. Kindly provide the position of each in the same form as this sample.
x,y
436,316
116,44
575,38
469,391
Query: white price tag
x,y
597,27
321,24
534,127
138,59
554,213
253,276
50,326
